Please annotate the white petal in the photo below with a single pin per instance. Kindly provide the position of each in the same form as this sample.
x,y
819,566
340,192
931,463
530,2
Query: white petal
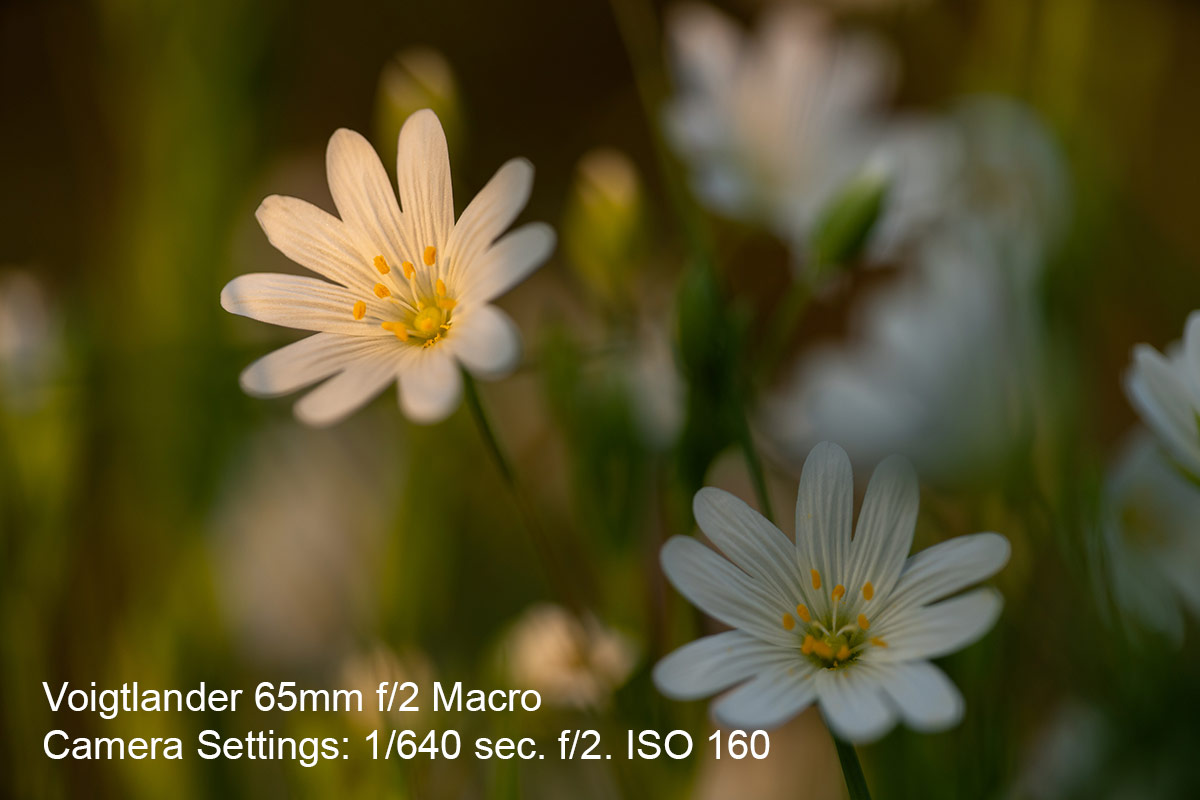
x,y
364,196
307,361
937,630
1164,402
885,527
770,699
423,174
508,262
948,567
295,301
490,213
486,342
343,394
724,592
749,540
1191,351
713,663
853,703
430,386
824,510
926,698
315,239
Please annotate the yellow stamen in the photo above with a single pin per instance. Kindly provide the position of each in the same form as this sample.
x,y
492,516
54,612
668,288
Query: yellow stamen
x,y
788,622
360,309
806,647
430,255
399,330
816,579
875,640
839,592
381,291
446,303
382,265
409,269
822,649
843,653
863,622
802,613
440,288
868,591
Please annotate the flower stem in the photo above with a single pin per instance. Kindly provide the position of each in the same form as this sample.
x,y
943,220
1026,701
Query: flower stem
x,y
754,465
856,782
566,589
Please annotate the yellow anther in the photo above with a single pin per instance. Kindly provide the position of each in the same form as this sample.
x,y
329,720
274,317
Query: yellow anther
x,y
446,303
822,649
381,291
816,579
843,653
868,590
839,592
409,269
875,640
382,265
806,647
802,613
440,288
399,330
863,622
430,255
788,622
359,310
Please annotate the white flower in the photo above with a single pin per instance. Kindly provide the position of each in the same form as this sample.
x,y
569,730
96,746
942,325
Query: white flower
x,y
1165,390
1152,552
934,370
773,125
409,289
849,624
572,662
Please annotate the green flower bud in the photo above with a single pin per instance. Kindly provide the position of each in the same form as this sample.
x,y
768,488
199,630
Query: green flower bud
x,y
846,223
603,230
413,79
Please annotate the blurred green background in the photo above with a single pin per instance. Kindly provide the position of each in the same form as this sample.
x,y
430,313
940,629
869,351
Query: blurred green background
x,y
158,525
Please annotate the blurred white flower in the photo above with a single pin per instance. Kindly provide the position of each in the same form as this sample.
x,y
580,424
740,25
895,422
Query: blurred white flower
x,y
298,526
411,291
1165,391
30,340
849,624
1067,751
934,370
1010,180
1152,550
774,124
655,388
572,662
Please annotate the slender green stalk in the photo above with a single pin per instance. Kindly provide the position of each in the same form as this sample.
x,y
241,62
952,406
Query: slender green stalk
x,y
856,782
556,576
754,465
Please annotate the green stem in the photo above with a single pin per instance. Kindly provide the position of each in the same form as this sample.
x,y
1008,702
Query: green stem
x,y
783,326
856,782
557,577
754,464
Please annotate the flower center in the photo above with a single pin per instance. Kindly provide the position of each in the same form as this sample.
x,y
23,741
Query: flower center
x,y
825,642
417,308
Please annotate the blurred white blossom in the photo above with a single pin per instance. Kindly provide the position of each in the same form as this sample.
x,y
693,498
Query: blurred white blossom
x,y
572,662
1149,532
298,527
934,370
30,340
773,124
370,667
1165,390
